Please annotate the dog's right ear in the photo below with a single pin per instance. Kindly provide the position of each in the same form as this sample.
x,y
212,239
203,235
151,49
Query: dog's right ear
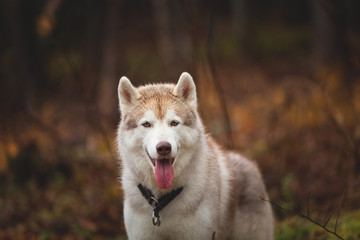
x,y
127,94
186,90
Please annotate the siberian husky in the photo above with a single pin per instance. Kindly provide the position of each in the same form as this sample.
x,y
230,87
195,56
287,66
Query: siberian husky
x,y
178,183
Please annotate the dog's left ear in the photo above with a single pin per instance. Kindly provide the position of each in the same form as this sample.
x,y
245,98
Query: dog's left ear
x,y
185,89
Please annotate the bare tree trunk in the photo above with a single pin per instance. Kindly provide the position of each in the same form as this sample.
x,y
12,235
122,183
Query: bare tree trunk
x,y
239,19
165,44
107,94
329,32
20,90
174,43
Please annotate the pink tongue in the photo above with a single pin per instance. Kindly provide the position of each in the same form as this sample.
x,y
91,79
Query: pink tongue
x,y
164,173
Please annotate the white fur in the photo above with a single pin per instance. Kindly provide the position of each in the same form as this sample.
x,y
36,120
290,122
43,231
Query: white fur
x,y
205,171
160,132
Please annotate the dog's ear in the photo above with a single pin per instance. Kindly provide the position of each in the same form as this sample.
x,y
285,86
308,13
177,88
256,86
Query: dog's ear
x,y
127,94
185,89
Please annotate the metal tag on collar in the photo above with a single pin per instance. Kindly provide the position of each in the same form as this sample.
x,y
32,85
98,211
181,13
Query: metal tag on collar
x,y
156,218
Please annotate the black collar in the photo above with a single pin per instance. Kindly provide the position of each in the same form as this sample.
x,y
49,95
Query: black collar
x,y
158,204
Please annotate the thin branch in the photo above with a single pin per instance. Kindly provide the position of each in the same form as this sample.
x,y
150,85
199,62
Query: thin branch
x,y
328,219
215,75
301,214
339,210
308,204
208,58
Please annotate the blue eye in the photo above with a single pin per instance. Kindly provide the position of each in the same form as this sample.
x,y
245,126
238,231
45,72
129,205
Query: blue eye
x,y
146,124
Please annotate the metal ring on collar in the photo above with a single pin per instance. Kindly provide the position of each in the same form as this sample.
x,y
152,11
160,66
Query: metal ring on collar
x,y
156,218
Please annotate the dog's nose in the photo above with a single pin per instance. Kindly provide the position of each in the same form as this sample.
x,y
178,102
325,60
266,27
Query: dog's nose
x,y
163,148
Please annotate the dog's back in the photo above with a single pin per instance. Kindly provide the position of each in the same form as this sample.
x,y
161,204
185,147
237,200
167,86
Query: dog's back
x,y
246,216
253,219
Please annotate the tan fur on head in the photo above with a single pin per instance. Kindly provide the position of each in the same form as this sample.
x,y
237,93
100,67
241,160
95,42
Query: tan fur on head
x,y
159,98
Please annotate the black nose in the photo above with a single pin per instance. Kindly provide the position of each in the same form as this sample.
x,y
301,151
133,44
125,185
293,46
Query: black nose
x,y
163,148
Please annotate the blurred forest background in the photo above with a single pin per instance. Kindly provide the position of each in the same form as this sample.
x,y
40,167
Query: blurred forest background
x,y
277,80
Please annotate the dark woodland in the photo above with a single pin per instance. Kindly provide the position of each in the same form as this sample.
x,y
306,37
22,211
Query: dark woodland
x,y
277,80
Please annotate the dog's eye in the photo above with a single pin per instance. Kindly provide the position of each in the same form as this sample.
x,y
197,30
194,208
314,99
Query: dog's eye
x,y
146,124
174,123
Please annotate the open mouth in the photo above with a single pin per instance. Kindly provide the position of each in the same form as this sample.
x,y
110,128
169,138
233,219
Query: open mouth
x,y
164,171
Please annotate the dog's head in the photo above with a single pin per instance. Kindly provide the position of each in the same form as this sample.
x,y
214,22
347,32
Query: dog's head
x,y
159,128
